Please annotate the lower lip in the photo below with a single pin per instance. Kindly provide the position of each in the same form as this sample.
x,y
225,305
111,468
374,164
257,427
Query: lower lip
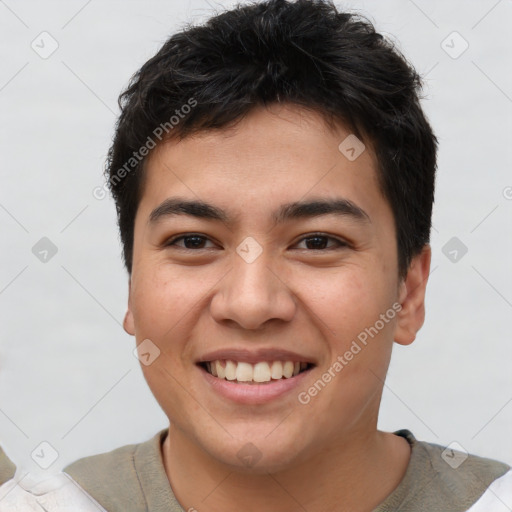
x,y
253,393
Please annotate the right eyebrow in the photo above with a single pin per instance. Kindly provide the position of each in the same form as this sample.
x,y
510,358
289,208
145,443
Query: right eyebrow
x,y
199,209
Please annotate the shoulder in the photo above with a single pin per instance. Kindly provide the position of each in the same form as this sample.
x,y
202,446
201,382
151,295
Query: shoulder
x,y
457,471
479,483
113,478
7,468
120,459
449,478
497,498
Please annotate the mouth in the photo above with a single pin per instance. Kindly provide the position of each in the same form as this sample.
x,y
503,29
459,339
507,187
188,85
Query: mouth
x,y
260,372
256,376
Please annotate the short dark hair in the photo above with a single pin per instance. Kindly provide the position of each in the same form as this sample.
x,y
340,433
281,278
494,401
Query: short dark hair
x,y
305,53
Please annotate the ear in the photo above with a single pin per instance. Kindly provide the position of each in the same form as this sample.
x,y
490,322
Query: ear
x,y
128,323
412,298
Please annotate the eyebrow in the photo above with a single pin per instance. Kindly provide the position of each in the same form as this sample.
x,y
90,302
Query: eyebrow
x,y
286,212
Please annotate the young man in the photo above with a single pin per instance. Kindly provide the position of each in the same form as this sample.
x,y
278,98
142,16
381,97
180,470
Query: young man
x,y
274,178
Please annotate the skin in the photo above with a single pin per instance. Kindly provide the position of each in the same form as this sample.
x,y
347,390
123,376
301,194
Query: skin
x,y
322,456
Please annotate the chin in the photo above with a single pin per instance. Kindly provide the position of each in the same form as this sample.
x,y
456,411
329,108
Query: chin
x,y
251,455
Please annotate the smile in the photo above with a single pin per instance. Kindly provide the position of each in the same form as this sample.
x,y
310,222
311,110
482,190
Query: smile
x,y
242,372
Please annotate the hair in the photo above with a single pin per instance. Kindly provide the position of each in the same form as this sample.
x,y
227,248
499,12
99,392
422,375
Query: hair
x,y
305,53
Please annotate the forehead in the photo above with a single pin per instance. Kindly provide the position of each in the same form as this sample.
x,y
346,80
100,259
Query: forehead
x,y
271,156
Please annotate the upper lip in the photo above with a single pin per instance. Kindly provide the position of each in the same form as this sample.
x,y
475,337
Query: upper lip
x,y
254,356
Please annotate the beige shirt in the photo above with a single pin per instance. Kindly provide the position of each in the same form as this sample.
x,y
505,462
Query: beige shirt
x,y
133,479
7,468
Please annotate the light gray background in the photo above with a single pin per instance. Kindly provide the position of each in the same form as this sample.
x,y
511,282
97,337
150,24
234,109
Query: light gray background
x,y
67,372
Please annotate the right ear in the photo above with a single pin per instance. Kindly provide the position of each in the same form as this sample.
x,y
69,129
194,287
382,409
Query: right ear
x,y
128,323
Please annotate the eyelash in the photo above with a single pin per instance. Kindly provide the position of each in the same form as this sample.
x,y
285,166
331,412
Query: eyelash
x,y
340,243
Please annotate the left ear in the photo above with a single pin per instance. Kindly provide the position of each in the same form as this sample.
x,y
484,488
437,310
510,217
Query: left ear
x,y
412,298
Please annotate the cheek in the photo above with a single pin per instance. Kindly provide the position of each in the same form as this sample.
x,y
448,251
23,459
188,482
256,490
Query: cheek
x,y
346,300
161,298
168,306
349,305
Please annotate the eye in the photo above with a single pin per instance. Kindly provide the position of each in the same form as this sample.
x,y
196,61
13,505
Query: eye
x,y
320,241
315,242
190,241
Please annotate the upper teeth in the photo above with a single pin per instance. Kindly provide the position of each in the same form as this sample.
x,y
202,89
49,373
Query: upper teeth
x,y
259,372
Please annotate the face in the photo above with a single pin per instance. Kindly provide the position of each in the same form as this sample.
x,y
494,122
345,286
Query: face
x,y
265,278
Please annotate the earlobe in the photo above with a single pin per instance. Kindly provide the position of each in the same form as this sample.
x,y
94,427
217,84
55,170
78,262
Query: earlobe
x,y
128,323
412,298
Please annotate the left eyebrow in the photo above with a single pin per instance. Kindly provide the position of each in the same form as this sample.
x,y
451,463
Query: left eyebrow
x,y
307,209
286,212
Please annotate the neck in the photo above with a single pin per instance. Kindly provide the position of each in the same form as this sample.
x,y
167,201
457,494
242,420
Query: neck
x,y
353,475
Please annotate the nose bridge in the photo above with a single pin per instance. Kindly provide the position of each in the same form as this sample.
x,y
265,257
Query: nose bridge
x,y
251,293
253,281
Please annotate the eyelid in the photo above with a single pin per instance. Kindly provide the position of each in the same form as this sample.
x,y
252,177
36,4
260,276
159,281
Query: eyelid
x,y
171,242
341,243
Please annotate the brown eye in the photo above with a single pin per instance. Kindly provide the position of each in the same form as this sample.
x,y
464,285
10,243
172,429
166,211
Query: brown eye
x,y
320,242
189,242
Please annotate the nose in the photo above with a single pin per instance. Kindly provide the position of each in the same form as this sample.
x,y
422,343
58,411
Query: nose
x,y
253,294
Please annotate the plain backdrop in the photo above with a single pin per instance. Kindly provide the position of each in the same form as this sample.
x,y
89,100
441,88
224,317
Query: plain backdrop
x,y
68,376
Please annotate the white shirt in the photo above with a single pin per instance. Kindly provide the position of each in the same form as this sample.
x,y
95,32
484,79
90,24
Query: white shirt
x,y
58,493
